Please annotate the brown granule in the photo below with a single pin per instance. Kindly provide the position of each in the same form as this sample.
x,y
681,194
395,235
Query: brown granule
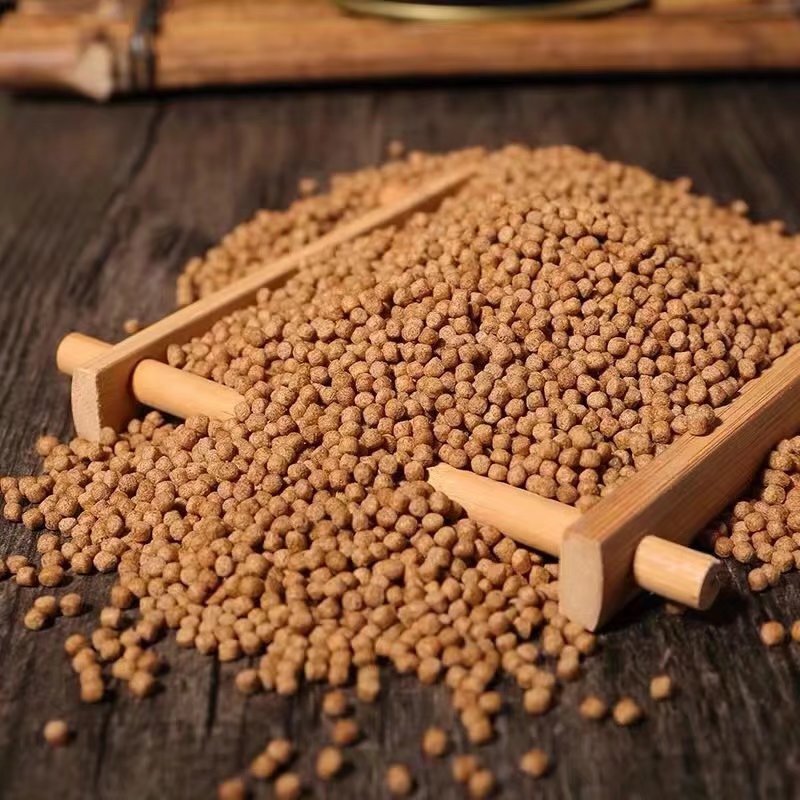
x,y
47,605
772,633
399,781
56,733
345,732
463,767
592,707
288,786
481,784
434,742
335,704
535,763
627,712
35,620
142,684
329,763
282,750
661,687
248,682
263,767
232,789
71,605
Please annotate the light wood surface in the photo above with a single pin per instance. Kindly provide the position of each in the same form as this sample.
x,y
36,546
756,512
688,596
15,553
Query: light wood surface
x,y
677,493
676,572
101,394
669,570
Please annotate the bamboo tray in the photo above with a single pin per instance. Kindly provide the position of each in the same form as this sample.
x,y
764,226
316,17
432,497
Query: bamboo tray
x,y
107,47
633,539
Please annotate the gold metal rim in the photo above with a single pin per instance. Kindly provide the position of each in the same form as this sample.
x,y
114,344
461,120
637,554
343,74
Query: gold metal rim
x,y
429,12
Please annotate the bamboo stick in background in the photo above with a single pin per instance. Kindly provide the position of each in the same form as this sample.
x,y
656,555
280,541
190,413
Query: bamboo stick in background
x,y
672,571
221,42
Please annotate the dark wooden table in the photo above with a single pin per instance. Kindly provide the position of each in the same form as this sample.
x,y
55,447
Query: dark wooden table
x,y
99,209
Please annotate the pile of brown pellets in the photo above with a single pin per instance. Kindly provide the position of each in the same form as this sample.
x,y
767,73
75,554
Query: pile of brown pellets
x,y
554,325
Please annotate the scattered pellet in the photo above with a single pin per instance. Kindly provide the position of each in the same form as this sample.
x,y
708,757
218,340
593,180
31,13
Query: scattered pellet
x,y
592,707
757,580
47,604
71,605
111,617
247,681
263,767
26,576
36,619
281,750
131,326
345,732
51,576
142,684
794,631
661,687
395,149
481,784
538,700
335,704
434,742
626,712
399,780
74,644
463,767
92,688
535,762
772,633
56,733
288,786
307,186
232,789
329,763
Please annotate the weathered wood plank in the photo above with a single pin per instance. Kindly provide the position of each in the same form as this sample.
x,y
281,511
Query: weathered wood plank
x,y
98,210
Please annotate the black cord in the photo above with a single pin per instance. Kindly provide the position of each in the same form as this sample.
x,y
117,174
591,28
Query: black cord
x,y
142,54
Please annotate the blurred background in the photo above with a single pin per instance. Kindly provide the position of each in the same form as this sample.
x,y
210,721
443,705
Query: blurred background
x,y
102,48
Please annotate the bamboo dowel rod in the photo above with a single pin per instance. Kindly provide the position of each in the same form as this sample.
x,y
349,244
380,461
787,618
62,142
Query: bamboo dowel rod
x,y
672,571
154,383
100,388
527,518
677,493
679,573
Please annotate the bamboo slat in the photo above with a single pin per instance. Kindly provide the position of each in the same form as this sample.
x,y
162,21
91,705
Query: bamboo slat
x,y
677,493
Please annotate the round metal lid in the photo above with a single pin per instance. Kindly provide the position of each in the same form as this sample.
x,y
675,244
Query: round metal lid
x,y
471,10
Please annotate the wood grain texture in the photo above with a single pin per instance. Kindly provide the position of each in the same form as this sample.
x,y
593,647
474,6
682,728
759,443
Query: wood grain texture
x,y
98,210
